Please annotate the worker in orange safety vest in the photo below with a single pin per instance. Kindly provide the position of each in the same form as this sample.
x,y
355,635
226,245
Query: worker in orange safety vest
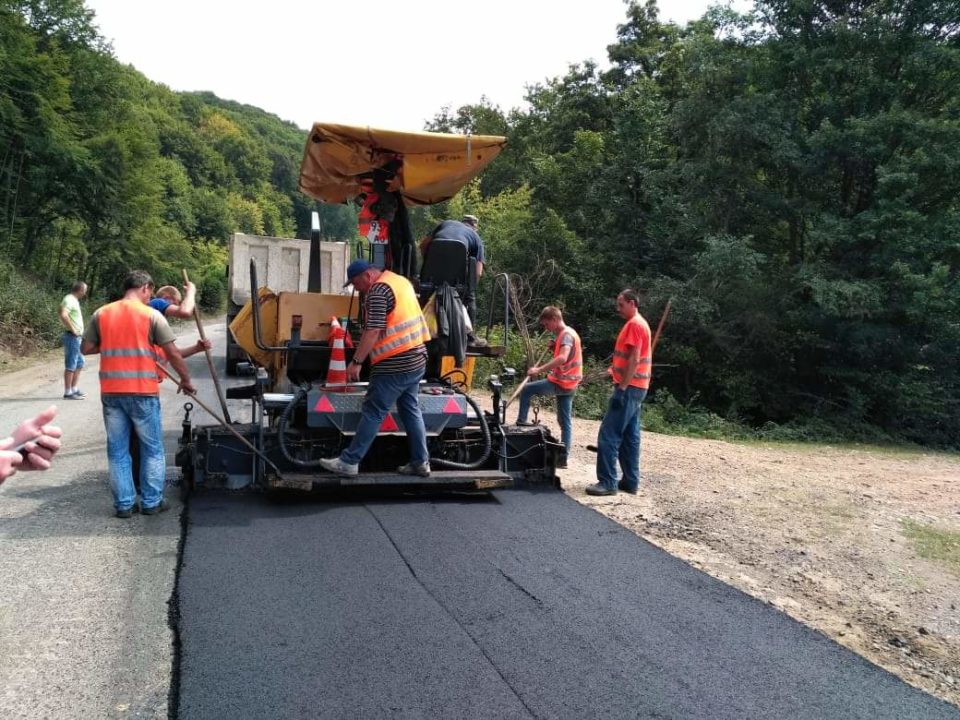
x,y
618,441
126,334
393,339
565,371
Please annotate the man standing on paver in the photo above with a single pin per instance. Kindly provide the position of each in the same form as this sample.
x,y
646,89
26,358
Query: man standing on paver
x,y
393,339
127,333
72,320
619,436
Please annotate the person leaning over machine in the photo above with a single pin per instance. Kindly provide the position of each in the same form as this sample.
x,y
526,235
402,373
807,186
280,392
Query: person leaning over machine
x,y
467,232
169,303
393,339
565,371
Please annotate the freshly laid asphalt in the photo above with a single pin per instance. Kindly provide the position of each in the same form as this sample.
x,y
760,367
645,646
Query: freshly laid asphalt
x,y
517,604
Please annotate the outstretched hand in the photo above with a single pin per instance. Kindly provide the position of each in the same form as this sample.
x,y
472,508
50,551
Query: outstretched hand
x,y
39,442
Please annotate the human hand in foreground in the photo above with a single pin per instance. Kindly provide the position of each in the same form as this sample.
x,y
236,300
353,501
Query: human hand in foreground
x,y
37,442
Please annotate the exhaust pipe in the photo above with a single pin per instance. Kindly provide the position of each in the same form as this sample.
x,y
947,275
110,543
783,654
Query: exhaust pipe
x,y
314,283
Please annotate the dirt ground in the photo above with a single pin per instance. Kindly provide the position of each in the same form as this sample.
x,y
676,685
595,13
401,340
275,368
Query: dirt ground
x,y
815,531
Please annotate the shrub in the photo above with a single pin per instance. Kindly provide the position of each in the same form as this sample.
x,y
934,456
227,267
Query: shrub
x,y
665,414
26,307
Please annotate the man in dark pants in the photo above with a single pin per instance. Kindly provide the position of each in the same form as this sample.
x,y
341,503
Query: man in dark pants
x,y
619,436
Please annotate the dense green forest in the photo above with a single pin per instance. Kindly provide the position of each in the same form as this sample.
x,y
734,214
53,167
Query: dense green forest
x,y
102,170
788,178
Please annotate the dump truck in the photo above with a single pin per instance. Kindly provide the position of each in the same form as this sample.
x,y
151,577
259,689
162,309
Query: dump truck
x,y
298,416
284,265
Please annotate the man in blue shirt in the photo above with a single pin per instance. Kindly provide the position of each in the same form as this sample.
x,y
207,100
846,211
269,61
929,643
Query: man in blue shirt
x,y
465,231
168,301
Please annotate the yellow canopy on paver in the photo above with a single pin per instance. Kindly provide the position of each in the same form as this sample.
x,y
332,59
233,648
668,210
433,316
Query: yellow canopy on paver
x,y
432,166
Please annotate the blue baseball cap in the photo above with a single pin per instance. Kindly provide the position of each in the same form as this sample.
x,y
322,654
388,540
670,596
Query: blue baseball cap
x,y
355,268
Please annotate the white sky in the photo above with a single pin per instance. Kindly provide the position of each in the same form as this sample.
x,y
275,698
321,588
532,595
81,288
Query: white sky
x,y
383,63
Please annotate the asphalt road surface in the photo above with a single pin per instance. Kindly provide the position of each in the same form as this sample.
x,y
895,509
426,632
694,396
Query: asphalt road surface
x,y
514,604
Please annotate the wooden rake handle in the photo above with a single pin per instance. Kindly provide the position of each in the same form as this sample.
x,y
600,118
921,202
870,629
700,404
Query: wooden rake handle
x,y
206,351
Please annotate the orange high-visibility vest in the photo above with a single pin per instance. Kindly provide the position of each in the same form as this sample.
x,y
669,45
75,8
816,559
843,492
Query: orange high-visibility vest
x,y
568,375
406,327
128,362
621,352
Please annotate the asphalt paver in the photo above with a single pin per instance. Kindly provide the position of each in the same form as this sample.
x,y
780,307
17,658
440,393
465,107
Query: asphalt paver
x,y
516,604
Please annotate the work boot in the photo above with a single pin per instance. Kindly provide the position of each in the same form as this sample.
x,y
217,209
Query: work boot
x,y
127,512
598,489
156,509
423,469
622,487
476,341
339,467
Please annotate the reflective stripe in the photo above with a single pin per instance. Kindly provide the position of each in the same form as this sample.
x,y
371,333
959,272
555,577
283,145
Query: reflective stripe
x,y
131,352
128,362
626,356
127,374
396,343
568,375
621,354
406,327
618,373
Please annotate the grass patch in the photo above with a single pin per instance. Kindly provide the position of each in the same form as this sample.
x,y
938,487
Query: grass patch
x,y
933,543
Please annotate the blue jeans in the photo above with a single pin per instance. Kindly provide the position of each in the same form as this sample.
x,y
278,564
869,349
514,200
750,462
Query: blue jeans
x,y
619,439
384,391
72,359
564,406
140,413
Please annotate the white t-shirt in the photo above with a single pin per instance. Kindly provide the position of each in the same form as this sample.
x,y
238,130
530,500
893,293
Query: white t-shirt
x,y
72,305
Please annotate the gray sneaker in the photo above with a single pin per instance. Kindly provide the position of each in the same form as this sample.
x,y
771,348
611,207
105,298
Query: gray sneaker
x,y
423,470
339,467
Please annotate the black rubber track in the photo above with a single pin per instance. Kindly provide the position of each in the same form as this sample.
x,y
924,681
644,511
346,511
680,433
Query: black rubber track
x,y
513,605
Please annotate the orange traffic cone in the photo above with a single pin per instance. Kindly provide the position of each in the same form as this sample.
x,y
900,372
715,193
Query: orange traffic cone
x,y
337,371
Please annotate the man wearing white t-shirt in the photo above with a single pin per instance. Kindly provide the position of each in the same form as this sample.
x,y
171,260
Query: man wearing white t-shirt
x,y
72,320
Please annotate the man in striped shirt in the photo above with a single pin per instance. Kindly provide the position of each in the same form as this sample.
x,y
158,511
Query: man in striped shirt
x,y
393,339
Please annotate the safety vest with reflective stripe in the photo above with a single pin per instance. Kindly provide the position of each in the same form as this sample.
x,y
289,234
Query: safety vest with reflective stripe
x,y
128,362
406,327
568,375
621,353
